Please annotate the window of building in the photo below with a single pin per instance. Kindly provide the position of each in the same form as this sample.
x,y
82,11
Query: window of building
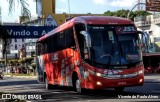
x,y
16,55
15,46
22,40
15,40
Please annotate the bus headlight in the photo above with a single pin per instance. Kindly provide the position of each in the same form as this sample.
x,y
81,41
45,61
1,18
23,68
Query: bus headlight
x,y
95,73
140,72
98,74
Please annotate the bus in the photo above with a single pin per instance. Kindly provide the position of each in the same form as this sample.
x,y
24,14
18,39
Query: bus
x,y
91,52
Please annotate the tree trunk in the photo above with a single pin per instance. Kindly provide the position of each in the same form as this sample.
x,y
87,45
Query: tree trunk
x,y
5,57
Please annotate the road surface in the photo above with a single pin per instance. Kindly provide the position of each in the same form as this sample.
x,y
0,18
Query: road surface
x,y
150,91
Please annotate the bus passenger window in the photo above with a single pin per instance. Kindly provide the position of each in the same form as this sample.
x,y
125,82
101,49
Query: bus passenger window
x,y
69,38
81,39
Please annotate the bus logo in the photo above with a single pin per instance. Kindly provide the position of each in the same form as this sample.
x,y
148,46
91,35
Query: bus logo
x,y
125,29
55,57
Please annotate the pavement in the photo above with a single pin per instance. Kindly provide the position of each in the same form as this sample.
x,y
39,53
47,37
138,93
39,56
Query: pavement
x,y
148,78
152,78
27,77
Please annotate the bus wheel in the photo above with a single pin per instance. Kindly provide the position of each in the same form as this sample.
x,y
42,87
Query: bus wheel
x,y
119,89
48,86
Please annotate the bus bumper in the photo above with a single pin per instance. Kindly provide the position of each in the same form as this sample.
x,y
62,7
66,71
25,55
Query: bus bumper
x,y
95,82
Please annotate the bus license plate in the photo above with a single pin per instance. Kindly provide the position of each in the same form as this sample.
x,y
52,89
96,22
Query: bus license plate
x,y
122,83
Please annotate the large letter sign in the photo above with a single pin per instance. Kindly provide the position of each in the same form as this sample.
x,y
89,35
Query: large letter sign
x,y
28,31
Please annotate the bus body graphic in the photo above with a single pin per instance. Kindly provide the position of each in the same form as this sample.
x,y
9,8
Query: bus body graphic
x,y
92,52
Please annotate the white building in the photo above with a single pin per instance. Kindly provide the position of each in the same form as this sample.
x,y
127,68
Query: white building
x,y
15,46
151,25
30,46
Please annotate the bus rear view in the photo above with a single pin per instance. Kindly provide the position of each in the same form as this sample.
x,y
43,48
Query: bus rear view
x,y
107,54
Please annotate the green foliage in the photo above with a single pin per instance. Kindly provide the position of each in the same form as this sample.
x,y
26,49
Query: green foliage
x,y
4,40
24,7
33,65
2,61
29,59
13,62
19,61
123,13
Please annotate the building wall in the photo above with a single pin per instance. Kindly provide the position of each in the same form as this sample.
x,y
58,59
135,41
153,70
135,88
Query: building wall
x,y
151,25
30,46
15,46
48,7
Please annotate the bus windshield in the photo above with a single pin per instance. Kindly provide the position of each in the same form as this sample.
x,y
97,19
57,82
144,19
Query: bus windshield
x,y
110,48
130,49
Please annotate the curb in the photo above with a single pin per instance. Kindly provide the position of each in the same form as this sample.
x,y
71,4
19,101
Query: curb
x,y
26,77
150,81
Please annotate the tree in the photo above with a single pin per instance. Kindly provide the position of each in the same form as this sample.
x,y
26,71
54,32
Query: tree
x,y
5,41
123,13
4,36
24,7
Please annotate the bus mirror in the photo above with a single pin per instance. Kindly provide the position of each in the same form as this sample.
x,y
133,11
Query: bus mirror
x,y
144,37
87,38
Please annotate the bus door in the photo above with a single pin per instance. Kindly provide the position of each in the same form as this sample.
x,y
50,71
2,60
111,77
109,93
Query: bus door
x,y
39,63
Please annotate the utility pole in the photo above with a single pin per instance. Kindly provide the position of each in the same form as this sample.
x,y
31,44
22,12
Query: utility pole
x,y
0,16
69,9
140,7
133,8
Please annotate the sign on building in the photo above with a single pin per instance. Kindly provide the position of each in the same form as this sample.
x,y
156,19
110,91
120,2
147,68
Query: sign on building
x,y
28,31
50,21
13,51
153,5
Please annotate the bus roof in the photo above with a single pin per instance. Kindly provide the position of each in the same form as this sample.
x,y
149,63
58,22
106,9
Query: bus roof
x,y
101,20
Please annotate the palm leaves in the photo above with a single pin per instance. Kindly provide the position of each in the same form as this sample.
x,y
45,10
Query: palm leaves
x,y
24,7
4,40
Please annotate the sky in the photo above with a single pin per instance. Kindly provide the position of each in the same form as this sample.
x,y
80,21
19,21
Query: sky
x,y
76,6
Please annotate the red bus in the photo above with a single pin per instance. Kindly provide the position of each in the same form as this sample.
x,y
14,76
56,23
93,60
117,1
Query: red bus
x,y
91,52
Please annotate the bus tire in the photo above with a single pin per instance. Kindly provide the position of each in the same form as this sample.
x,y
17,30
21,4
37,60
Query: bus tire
x,y
119,89
47,86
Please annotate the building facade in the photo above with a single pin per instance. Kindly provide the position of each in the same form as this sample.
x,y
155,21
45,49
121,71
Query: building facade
x,y
151,25
30,47
15,45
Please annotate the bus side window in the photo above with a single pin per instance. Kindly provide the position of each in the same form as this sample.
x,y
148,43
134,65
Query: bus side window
x,y
48,43
78,28
44,48
61,40
69,38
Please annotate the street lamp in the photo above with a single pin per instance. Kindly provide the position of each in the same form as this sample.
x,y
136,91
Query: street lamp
x,y
133,8
69,8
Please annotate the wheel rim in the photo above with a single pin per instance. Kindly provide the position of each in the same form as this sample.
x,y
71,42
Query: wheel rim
x,y
78,87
